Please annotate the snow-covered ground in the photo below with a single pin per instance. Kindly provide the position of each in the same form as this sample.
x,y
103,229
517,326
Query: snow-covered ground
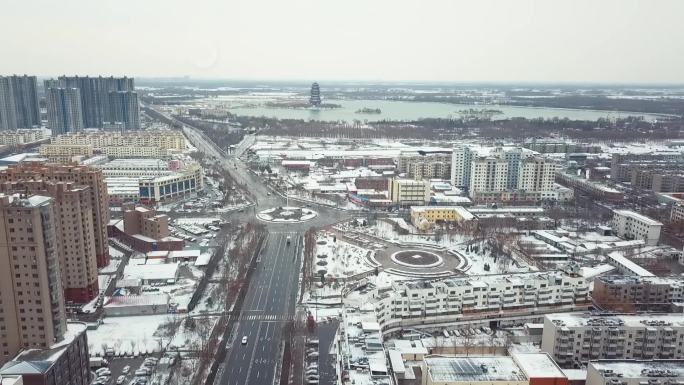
x,y
129,334
338,258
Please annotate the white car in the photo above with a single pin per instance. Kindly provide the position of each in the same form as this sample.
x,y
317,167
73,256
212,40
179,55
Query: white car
x,y
126,369
244,340
120,380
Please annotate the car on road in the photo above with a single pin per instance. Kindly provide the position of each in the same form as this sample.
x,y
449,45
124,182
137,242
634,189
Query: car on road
x,y
126,369
244,340
120,380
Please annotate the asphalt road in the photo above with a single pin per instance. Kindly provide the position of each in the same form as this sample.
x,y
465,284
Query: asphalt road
x,y
271,295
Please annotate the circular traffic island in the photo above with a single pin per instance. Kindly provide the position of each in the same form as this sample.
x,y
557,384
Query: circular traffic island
x,y
417,259
286,215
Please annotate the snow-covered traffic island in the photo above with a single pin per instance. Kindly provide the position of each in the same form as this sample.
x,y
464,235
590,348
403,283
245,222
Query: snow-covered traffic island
x,y
287,214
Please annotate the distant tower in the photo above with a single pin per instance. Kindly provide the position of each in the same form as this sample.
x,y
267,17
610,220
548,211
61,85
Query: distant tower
x,y
315,99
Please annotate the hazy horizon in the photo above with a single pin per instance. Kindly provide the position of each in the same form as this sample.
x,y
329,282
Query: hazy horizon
x,y
611,42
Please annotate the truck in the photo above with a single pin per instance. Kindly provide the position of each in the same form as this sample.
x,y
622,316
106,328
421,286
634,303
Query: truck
x,y
98,362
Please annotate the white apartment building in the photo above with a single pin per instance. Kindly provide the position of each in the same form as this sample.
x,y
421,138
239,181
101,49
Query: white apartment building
x,y
501,174
631,225
408,192
488,174
633,372
460,166
449,299
573,339
536,174
677,213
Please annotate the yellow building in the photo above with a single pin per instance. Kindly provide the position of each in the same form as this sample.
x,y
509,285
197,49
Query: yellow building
x,y
65,152
424,217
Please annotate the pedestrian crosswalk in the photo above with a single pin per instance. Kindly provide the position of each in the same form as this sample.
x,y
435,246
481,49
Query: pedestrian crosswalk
x,y
266,317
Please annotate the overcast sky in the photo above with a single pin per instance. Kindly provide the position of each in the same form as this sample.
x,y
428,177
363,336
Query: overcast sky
x,y
605,41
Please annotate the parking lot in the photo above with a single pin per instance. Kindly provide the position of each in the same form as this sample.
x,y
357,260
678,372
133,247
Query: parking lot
x,y
117,364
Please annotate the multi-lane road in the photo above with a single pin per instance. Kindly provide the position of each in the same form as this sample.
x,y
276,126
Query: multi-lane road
x,y
269,303
270,300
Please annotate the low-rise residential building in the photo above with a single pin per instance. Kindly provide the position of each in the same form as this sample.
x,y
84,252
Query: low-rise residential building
x,y
595,189
573,339
635,372
407,192
135,152
631,225
65,153
163,139
19,137
452,298
631,293
677,213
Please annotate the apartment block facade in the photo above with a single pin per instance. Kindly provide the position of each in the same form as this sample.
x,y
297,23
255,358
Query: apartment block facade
x,y
425,166
75,234
95,94
65,153
64,110
19,106
32,313
573,339
24,136
79,176
408,192
451,298
632,293
164,139
631,225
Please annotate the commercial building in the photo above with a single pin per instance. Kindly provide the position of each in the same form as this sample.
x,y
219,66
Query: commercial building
x,y
631,225
632,293
449,299
426,216
64,110
95,94
407,192
634,372
32,311
573,339
519,368
64,362
487,370
19,106
75,237
144,230
79,176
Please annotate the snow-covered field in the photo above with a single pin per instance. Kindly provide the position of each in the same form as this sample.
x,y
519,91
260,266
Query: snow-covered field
x,y
128,335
